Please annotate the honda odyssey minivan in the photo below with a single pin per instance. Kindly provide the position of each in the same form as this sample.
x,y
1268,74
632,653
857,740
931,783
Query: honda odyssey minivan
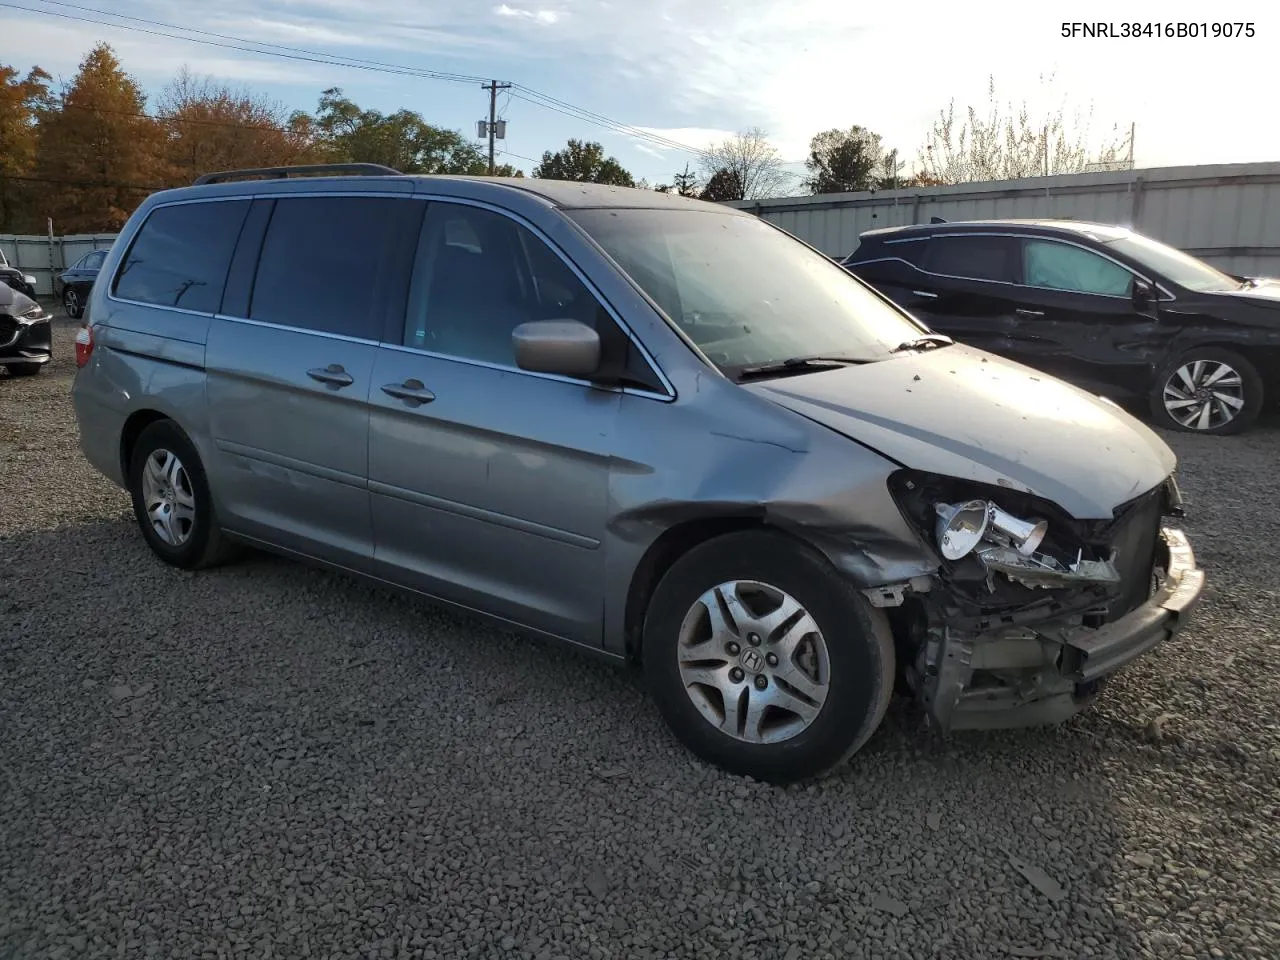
x,y
656,428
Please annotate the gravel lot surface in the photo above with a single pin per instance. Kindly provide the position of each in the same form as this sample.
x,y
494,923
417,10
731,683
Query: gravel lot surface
x,y
269,761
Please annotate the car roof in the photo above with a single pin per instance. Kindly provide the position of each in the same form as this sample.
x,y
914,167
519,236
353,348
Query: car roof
x,y
564,194
1099,231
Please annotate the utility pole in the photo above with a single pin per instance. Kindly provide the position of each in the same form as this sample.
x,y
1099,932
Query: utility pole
x,y
1133,128
493,86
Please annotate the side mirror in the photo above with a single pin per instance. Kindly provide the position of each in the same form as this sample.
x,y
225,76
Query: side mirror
x,y
566,347
1143,292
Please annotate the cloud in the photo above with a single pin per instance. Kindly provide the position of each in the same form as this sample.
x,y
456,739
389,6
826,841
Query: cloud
x,y
540,16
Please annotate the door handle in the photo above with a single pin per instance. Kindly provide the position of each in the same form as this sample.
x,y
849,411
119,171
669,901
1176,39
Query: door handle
x,y
1029,313
924,293
333,375
411,390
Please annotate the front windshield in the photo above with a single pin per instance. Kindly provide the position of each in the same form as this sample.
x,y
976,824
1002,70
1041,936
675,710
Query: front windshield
x,y
1181,268
747,294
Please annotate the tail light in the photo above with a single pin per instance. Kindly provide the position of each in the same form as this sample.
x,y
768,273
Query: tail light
x,y
84,345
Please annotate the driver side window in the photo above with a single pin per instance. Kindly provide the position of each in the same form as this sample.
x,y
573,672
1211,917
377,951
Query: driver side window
x,y
1060,266
480,274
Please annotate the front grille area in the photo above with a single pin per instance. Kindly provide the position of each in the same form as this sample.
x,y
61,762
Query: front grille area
x,y
8,330
1135,537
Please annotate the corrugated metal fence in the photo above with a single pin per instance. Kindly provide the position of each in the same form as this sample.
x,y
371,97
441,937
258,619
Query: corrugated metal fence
x,y
1227,214
46,257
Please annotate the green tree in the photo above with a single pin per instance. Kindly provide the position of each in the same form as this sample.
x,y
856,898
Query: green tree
x,y
98,149
585,163
686,182
345,133
21,103
848,161
723,185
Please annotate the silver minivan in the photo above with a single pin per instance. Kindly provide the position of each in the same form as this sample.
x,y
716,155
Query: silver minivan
x,y
655,428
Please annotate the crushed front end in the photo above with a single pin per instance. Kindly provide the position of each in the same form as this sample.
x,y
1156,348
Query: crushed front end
x,y
1030,609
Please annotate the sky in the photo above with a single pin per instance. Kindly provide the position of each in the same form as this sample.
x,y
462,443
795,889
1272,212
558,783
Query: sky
x,y
696,71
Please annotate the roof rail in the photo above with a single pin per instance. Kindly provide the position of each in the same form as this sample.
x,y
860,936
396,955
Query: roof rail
x,y
281,173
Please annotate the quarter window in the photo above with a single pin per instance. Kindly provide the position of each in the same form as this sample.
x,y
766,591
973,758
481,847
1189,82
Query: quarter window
x,y
1060,266
974,257
180,256
328,264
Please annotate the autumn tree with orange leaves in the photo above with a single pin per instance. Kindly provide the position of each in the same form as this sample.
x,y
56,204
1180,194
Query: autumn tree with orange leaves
x,y
21,102
99,153
209,127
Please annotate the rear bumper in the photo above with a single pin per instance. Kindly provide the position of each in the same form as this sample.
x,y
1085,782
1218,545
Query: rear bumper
x,y
1082,656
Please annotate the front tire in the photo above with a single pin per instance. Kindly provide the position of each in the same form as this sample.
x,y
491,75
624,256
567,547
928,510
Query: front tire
x,y
763,660
171,499
1207,390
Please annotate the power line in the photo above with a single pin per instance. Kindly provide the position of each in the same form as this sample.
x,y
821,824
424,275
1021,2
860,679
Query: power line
x,y
162,118
432,74
323,59
82,183
264,48
518,156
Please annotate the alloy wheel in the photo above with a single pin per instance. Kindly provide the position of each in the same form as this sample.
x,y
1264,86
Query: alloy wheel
x,y
168,497
753,662
1204,394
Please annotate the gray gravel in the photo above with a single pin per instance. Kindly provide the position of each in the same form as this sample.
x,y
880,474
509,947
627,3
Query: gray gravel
x,y
270,761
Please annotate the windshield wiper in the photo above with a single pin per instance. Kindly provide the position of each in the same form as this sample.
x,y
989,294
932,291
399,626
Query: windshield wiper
x,y
795,365
930,341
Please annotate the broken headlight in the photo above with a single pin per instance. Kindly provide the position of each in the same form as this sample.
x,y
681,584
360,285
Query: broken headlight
x,y
962,526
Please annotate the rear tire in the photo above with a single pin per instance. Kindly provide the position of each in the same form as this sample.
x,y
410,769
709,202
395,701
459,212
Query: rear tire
x,y
1207,390
821,692
171,499
25,369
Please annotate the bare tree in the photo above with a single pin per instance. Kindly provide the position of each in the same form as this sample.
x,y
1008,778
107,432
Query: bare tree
x,y
752,160
1012,145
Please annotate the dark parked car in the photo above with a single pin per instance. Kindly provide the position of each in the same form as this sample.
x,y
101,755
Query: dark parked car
x,y
16,279
1102,307
26,342
73,286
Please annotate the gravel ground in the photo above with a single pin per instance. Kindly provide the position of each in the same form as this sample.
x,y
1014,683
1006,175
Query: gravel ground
x,y
270,761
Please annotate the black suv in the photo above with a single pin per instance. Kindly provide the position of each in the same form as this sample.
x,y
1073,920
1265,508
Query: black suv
x,y
1102,307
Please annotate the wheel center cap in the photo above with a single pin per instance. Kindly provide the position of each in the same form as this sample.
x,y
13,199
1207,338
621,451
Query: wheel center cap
x,y
751,660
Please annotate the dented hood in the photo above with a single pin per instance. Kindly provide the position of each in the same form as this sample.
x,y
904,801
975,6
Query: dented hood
x,y
964,413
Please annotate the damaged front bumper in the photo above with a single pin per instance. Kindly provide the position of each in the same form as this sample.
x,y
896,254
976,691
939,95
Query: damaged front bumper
x,y
1044,672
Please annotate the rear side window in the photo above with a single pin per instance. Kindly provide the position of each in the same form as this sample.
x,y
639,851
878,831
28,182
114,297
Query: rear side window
x,y
972,258
911,251
1060,266
327,262
180,256
94,260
